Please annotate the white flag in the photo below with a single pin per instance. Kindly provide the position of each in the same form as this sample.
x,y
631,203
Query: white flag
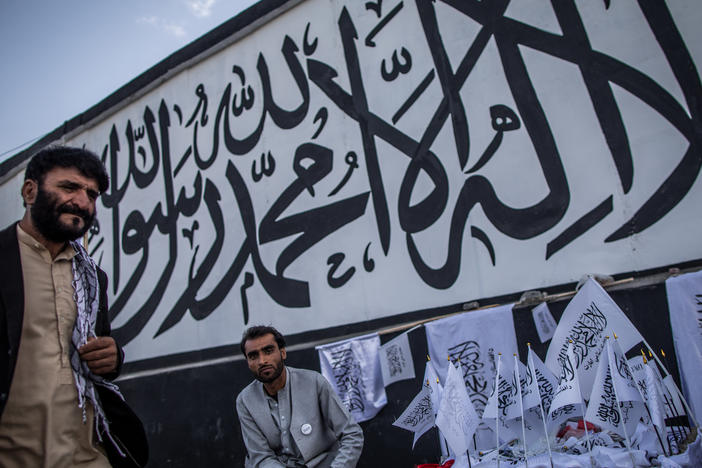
x,y
543,321
396,360
655,398
616,403
353,369
538,386
589,317
503,401
603,407
627,390
567,400
431,379
469,339
419,415
529,385
546,382
456,417
685,308
637,367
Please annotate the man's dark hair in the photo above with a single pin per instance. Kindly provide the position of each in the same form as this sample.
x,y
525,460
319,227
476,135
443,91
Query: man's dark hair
x,y
258,331
87,163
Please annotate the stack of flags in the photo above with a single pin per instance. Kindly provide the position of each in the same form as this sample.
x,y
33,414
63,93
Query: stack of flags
x,y
601,385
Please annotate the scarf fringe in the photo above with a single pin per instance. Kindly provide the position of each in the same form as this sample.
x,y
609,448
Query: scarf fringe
x,y
86,295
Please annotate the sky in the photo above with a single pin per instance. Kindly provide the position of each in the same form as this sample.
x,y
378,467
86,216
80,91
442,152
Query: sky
x,y
60,57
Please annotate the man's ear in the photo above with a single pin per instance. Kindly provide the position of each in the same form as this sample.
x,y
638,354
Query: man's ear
x,y
30,188
283,354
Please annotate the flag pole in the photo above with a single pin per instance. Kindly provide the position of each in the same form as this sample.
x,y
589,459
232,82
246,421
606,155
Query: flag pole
x,y
530,363
675,386
643,398
470,463
669,402
648,411
582,406
611,359
521,407
497,415
442,441
690,414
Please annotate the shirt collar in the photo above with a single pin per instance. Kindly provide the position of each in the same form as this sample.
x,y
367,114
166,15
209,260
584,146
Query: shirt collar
x,y
66,254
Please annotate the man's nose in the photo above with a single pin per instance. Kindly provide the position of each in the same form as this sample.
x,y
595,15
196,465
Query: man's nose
x,y
82,199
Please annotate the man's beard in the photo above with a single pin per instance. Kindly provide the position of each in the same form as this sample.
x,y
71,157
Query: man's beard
x,y
277,370
46,215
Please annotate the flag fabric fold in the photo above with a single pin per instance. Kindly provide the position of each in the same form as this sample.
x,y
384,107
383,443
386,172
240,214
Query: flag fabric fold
x,y
588,318
456,418
567,399
503,402
544,383
654,397
685,309
419,416
353,368
469,339
432,379
396,360
543,321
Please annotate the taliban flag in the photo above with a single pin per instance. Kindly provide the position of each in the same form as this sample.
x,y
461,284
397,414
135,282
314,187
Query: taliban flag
x,y
503,407
432,380
396,360
419,416
456,418
541,386
589,317
655,397
567,400
353,368
615,404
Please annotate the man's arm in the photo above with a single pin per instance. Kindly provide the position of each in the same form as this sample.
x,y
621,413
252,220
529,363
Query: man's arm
x,y
102,354
346,429
260,453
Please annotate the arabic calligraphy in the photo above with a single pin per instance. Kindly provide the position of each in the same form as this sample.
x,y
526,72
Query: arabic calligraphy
x,y
201,178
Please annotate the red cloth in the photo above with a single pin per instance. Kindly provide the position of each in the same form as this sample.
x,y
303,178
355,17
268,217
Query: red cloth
x,y
448,464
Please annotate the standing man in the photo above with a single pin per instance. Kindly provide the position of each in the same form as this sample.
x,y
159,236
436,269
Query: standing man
x,y
55,348
292,417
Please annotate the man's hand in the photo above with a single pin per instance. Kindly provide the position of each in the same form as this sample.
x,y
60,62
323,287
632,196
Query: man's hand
x,y
100,354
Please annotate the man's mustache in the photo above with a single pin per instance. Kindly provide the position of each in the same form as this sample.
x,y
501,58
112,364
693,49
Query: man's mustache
x,y
75,210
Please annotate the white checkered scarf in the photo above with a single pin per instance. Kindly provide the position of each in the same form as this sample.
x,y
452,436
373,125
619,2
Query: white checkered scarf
x,y
86,294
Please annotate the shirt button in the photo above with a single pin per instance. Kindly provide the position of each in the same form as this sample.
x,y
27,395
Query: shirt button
x,y
282,417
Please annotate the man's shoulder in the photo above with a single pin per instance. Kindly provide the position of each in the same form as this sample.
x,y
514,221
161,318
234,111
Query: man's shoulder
x,y
308,377
9,233
305,373
248,392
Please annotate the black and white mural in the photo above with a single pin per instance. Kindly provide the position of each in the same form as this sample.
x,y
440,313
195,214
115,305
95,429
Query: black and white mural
x,y
352,160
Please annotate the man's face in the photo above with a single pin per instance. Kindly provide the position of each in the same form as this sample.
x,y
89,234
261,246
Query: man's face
x,y
64,207
264,357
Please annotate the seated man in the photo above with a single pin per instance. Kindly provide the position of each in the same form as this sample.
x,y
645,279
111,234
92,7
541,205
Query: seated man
x,y
292,417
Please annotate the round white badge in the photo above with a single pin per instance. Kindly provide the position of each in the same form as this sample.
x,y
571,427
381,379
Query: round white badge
x,y
306,429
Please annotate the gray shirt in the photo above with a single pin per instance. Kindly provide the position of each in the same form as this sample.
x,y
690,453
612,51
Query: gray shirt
x,y
281,410
320,429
